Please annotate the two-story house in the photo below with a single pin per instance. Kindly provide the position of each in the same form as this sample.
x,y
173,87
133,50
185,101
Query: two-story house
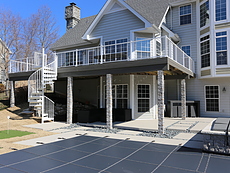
x,y
141,54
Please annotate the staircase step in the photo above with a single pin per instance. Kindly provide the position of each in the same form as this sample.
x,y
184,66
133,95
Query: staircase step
x,y
36,97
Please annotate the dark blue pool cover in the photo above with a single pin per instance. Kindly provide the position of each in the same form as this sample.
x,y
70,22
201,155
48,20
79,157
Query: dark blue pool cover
x,y
87,154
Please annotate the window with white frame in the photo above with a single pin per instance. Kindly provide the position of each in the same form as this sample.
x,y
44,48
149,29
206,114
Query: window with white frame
x,y
116,50
185,14
221,10
212,98
204,14
221,48
143,98
143,47
205,51
120,96
186,49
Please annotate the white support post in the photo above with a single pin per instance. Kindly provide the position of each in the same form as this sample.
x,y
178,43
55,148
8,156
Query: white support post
x,y
109,102
183,99
160,102
42,78
76,57
132,104
69,100
101,47
12,96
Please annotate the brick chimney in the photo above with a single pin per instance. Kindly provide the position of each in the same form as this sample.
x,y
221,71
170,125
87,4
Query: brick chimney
x,y
72,15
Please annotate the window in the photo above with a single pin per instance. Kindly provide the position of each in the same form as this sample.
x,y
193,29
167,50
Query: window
x,y
186,49
204,14
143,97
221,11
221,48
205,51
116,50
185,14
143,48
120,96
212,98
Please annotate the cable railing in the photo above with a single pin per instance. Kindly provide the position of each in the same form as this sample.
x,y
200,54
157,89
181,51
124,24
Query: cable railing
x,y
126,51
123,51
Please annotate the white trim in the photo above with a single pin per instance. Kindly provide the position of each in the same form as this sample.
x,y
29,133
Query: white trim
x,y
181,2
103,12
109,9
164,16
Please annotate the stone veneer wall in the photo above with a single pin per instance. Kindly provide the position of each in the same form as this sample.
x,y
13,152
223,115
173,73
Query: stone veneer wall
x,y
216,142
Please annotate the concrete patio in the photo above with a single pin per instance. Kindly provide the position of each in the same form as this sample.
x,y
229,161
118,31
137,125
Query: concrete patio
x,y
189,131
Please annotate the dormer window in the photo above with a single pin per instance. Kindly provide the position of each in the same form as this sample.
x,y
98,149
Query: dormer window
x,y
185,14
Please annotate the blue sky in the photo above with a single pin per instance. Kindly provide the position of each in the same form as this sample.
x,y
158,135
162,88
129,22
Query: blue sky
x,y
26,7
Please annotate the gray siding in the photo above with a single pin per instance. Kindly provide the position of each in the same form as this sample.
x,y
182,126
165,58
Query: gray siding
x,y
195,91
187,32
117,25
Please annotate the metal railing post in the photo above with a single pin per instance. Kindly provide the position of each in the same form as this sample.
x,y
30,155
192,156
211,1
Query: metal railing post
x,y
101,47
76,57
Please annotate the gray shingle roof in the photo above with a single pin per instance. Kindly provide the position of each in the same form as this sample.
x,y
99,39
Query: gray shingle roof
x,y
151,10
74,36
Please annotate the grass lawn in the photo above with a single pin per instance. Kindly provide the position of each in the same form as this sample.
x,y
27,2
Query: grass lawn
x,y
13,133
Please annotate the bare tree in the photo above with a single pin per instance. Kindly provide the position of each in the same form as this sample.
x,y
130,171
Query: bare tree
x,y
10,27
47,30
23,37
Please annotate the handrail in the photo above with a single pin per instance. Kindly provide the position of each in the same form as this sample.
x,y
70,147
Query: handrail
x,y
134,50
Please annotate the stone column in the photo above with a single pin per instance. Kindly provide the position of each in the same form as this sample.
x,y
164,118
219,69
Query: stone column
x,y
183,99
160,96
109,102
69,100
12,97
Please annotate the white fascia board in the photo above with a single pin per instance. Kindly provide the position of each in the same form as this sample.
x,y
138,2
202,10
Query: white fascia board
x,y
164,16
103,11
181,2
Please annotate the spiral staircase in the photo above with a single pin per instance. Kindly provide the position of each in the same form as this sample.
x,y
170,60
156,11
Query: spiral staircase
x,y
42,78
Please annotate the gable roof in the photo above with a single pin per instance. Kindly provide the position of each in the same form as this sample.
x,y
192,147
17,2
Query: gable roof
x,y
152,11
74,36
